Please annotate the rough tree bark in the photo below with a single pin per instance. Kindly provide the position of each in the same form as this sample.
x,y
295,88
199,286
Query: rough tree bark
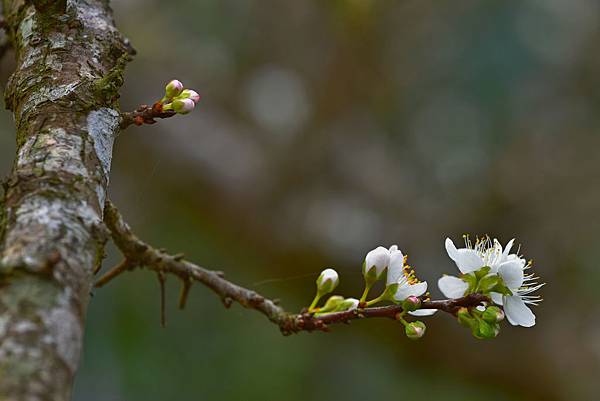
x,y
70,59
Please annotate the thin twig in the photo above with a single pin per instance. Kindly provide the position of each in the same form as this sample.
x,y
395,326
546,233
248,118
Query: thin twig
x,y
138,253
185,290
161,281
114,272
145,115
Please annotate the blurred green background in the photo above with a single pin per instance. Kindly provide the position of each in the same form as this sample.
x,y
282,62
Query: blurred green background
x,y
328,128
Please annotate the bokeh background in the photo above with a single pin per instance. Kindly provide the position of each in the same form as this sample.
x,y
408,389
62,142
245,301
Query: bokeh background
x,y
328,127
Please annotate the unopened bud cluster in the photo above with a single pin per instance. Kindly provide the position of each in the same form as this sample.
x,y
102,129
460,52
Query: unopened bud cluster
x,y
178,99
487,269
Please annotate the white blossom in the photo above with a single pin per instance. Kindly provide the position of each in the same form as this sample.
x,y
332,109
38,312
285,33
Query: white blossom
x,y
485,253
521,286
407,283
510,267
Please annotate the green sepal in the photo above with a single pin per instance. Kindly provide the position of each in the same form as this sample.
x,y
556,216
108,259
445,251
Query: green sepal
x,y
471,280
389,292
465,319
344,305
371,275
501,288
332,303
479,274
340,306
488,283
486,330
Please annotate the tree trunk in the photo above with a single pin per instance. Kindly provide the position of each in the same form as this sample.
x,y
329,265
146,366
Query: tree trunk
x,y
63,94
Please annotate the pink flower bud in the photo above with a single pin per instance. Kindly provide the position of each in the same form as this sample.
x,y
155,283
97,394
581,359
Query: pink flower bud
x,y
190,94
415,330
173,88
183,106
411,303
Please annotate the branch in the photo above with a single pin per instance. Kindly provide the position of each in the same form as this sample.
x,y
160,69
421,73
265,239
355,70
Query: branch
x,y
145,115
139,254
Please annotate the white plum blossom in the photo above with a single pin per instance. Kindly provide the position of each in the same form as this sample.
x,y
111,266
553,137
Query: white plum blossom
x,y
521,286
510,267
470,259
485,253
408,284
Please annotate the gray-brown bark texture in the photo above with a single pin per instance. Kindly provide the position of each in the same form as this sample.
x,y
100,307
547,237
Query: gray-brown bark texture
x,y
63,95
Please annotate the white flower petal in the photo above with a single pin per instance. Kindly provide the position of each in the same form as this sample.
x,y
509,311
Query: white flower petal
x,y
512,273
329,274
517,313
423,312
468,260
378,258
406,290
507,248
396,267
496,298
452,287
494,257
451,249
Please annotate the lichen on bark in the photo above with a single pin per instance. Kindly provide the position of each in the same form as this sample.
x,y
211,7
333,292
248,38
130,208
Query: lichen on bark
x,y
63,94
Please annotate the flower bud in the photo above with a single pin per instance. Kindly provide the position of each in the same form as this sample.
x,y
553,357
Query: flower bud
x,y
190,94
493,314
375,264
486,330
332,303
183,106
347,304
173,88
327,280
415,330
411,303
